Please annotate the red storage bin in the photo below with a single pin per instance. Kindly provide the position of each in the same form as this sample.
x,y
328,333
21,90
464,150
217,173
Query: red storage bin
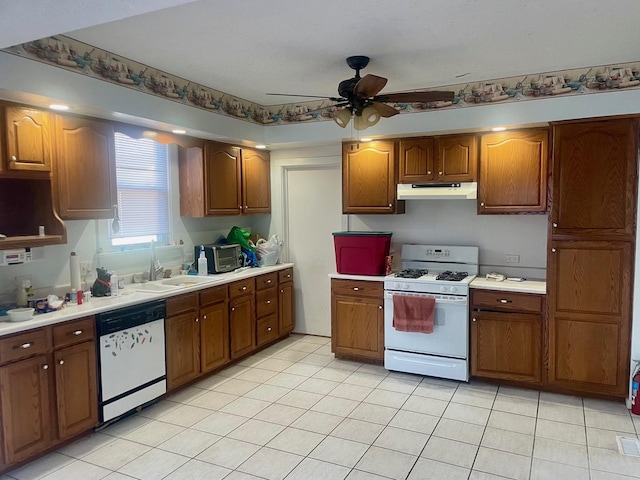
x,y
361,253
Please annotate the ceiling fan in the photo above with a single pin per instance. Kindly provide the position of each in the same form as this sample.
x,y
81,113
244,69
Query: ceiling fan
x,y
360,97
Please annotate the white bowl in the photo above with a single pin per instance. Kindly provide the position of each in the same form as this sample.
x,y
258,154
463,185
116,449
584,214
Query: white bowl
x,y
20,314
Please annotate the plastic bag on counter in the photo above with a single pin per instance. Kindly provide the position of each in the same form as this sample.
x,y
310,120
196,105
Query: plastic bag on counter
x,y
268,251
240,236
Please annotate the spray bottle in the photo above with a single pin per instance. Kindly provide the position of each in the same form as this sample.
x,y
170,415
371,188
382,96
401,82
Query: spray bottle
x,y
202,263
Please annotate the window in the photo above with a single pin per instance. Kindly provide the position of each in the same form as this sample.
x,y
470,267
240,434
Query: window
x,y
143,192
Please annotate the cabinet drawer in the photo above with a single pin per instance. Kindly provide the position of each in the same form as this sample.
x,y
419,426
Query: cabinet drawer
x,y
25,344
182,303
266,281
266,302
357,287
507,301
285,275
267,329
74,332
242,287
213,295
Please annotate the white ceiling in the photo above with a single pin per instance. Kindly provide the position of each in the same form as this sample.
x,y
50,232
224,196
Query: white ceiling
x,y
249,47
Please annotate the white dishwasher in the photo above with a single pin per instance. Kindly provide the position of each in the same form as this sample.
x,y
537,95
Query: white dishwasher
x,y
131,358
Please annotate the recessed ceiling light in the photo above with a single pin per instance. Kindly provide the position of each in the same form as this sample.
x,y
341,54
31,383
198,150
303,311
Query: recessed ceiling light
x,y
365,139
57,106
179,132
498,129
261,146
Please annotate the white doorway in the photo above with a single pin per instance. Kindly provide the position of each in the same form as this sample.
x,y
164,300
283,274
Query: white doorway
x,y
313,210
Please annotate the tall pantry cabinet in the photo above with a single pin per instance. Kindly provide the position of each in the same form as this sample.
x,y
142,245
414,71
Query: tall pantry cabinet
x,y
590,254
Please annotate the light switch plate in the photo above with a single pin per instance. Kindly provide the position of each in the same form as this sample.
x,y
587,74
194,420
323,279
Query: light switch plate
x,y
511,258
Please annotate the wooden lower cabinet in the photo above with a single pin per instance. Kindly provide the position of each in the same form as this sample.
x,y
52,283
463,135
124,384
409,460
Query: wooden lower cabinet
x,y
26,394
214,335
286,319
183,356
506,336
242,325
76,389
357,319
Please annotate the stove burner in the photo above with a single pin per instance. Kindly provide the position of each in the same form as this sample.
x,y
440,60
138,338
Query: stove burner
x,y
452,276
411,273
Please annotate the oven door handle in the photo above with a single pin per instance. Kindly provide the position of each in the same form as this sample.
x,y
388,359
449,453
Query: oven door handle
x,y
440,299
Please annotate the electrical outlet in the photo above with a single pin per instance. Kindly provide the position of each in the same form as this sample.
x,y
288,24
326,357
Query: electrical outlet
x,y
85,269
510,258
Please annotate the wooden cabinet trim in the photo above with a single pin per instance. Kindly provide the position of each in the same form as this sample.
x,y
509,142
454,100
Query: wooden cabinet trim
x,y
182,303
75,331
26,344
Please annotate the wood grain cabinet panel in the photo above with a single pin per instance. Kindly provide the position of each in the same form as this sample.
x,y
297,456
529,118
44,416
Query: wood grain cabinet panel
x,y
456,158
368,178
286,308
223,175
595,179
513,172
256,181
85,168
29,145
214,336
183,353
416,160
242,325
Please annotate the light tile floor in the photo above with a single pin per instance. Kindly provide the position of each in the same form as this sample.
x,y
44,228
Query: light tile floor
x,y
294,412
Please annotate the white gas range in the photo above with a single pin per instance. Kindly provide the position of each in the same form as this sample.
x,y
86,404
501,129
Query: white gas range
x,y
442,273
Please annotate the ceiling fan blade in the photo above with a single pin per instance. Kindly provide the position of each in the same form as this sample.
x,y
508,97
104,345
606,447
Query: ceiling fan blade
x,y
410,97
369,85
384,110
333,99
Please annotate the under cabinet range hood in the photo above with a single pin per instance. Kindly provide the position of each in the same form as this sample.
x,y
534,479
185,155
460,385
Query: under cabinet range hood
x,y
438,191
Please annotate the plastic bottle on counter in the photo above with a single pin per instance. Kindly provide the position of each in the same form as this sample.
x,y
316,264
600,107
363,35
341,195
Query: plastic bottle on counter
x,y
73,297
114,284
202,263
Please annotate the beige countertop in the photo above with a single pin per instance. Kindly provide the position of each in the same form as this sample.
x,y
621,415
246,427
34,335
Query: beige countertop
x,y
130,296
528,286
371,278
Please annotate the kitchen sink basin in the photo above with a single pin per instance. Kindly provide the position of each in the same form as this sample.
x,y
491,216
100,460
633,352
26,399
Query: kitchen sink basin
x,y
153,287
184,280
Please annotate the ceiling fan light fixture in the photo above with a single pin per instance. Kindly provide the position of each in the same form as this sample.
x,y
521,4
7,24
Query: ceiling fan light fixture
x,y
370,116
342,117
359,122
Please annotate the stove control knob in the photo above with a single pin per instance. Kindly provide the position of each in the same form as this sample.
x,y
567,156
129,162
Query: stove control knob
x,y
405,286
443,288
453,289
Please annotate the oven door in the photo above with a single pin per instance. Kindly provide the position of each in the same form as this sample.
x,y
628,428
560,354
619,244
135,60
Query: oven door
x,y
450,337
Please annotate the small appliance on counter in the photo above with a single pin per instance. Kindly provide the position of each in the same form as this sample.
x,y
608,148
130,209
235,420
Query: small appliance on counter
x,y
220,258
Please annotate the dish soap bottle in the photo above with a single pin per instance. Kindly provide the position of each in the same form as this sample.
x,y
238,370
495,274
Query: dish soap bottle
x,y
202,263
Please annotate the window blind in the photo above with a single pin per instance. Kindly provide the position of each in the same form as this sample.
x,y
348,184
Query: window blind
x,y
143,197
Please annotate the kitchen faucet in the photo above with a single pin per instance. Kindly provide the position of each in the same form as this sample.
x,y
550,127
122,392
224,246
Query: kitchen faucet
x,y
155,269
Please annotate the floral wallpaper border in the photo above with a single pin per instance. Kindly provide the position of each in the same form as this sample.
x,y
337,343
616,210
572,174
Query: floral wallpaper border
x,y
79,57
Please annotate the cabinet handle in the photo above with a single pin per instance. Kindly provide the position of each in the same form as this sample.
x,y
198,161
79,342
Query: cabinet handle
x,y
428,172
61,362
504,300
268,302
269,329
482,204
268,282
439,173
474,319
77,332
45,367
555,225
379,307
288,275
244,288
197,320
246,207
233,309
553,250
204,317
356,289
24,346
13,157
281,291
390,205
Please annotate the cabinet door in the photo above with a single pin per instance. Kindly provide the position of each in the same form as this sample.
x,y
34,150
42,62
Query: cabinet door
x,y
456,158
76,389
214,336
86,168
513,172
357,327
256,181
589,315
222,179
416,161
26,389
183,355
286,306
28,139
368,178
594,175
242,326
506,346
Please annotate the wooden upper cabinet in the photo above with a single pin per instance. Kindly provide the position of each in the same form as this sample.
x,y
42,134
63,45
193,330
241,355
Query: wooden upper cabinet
x,y
28,139
451,158
456,158
85,168
222,179
589,309
513,172
256,181
368,178
416,160
594,173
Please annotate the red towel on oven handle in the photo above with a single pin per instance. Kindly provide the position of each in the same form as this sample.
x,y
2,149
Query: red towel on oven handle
x,y
413,313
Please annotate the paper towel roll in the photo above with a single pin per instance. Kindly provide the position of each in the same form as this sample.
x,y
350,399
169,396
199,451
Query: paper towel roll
x,y
74,267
